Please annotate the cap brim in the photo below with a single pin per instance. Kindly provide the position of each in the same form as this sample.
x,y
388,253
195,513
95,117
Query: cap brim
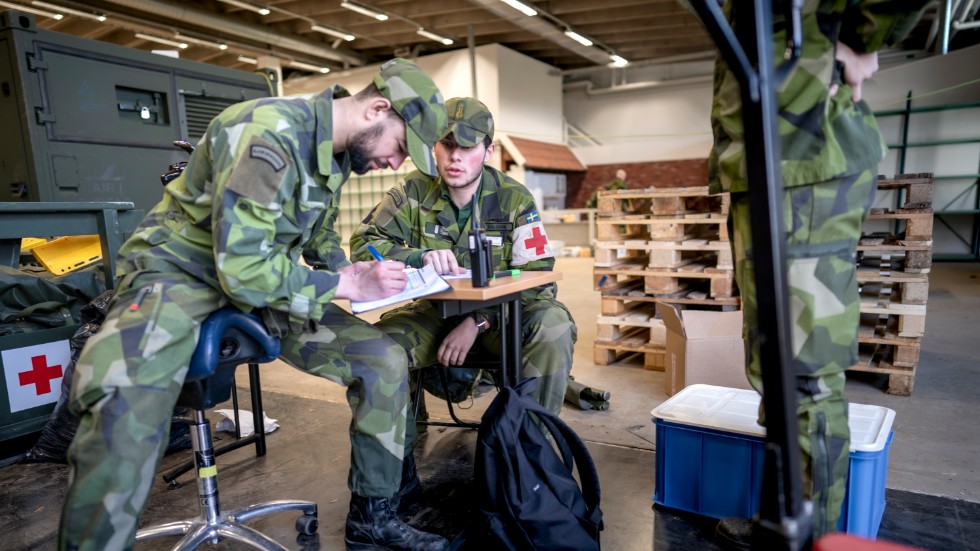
x,y
467,138
420,152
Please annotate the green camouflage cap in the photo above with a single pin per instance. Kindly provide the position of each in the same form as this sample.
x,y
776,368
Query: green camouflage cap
x,y
469,121
418,101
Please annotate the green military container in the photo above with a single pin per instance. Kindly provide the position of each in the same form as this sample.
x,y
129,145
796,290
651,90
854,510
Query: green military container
x,y
86,122
89,121
33,366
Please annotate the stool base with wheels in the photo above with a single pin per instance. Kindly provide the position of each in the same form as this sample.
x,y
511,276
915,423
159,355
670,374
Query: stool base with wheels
x,y
228,338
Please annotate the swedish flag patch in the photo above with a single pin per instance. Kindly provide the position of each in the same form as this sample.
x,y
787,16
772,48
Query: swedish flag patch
x,y
533,217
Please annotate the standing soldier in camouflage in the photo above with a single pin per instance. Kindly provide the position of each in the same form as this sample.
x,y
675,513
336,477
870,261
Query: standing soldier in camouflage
x,y
831,147
427,220
259,192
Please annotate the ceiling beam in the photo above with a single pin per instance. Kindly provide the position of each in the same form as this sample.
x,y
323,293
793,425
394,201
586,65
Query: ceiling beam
x,y
543,28
248,31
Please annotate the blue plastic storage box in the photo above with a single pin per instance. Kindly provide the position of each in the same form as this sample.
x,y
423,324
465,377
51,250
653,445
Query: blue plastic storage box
x,y
710,454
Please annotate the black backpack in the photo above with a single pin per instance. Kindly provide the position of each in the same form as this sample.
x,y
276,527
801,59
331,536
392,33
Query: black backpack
x,y
527,495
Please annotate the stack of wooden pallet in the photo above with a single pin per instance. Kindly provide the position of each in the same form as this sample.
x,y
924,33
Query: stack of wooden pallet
x,y
894,258
657,245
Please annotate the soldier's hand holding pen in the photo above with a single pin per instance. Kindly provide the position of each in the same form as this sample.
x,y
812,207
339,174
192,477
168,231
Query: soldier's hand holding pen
x,y
371,280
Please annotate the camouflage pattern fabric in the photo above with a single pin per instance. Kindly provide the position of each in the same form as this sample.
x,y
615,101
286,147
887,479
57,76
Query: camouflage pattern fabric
x,y
133,372
830,148
420,104
260,192
824,225
469,121
418,216
822,137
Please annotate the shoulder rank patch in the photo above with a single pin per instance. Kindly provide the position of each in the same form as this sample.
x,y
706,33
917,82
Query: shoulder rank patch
x,y
530,243
267,154
258,174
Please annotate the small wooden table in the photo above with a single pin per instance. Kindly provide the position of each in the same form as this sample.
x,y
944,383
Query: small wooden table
x,y
464,298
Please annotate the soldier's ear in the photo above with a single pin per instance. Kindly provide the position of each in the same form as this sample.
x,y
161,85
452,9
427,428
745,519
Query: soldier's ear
x,y
488,154
377,109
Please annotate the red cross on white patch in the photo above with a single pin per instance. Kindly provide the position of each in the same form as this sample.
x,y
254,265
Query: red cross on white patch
x,y
530,243
33,373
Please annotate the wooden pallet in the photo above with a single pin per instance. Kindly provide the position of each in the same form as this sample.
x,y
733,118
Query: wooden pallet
x,y
671,282
916,188
665,201
663,228
611,328
628,350
619,297
885,301
878,358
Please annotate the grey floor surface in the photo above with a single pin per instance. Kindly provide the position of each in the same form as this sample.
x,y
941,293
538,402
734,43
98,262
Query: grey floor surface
x,y
934,451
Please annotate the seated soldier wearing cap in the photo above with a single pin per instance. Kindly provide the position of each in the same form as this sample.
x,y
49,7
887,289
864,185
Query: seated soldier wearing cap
x,y
427,219
258,193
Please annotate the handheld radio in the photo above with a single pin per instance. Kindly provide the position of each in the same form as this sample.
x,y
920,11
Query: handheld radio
x,y
481,256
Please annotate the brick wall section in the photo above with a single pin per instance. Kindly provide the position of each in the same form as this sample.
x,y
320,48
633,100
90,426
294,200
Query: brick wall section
x,y
682,173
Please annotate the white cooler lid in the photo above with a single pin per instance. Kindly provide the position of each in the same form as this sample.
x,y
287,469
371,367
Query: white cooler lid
x,y
736,410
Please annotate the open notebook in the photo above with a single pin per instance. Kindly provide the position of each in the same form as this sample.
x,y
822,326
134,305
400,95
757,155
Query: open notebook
x,y
421,282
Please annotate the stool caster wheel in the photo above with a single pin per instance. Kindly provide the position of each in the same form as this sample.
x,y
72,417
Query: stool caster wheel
x,y
307,524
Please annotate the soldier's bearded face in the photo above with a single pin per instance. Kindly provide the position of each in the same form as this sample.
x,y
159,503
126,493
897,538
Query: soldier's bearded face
x,y
381,145
459,166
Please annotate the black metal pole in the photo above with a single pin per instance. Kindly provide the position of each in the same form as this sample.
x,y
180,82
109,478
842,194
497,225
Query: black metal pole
x,y
748,51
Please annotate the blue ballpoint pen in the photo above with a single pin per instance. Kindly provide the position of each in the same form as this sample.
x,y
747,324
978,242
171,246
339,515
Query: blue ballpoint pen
x,y
374,252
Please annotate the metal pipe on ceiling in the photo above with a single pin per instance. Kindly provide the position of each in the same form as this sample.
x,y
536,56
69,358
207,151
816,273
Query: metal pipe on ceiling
x,y
590,89
247,31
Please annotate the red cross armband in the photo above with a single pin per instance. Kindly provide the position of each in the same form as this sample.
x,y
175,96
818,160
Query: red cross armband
x,y
530,243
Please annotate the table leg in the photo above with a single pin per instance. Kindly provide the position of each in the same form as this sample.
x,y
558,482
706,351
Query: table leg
x,y
516,342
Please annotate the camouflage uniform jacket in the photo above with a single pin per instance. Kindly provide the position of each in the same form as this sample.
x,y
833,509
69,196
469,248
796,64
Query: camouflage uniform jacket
x,y
822,137
418,216
260,191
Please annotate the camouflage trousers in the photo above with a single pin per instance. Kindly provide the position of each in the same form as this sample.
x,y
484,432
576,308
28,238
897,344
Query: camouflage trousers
x,y
823,227
129,376
549,335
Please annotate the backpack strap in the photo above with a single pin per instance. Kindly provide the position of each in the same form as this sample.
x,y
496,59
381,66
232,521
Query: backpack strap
x,y
571,446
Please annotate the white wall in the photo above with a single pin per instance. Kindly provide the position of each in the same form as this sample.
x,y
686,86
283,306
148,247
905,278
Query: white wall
x,y
670,122
524,94
653,124
531,98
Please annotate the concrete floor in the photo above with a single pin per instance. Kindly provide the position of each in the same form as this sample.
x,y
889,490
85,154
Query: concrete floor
x,y
933,451
936,435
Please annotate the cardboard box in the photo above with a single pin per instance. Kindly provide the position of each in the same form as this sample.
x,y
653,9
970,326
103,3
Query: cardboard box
x,y
703,347
711,452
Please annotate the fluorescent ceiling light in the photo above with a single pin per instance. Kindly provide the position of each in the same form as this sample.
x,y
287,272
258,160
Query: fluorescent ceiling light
x,y
364,10
618,61
201,41
161,40
325,30
521,7
35,11
87,15
261,10
578,38
433,36
246,59
309,67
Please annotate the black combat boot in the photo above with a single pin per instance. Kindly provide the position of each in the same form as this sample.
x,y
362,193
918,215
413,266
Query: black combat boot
x,y
735,533
410,487
372,525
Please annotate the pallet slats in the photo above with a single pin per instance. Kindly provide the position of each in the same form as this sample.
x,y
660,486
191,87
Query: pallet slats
x,y
657,245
